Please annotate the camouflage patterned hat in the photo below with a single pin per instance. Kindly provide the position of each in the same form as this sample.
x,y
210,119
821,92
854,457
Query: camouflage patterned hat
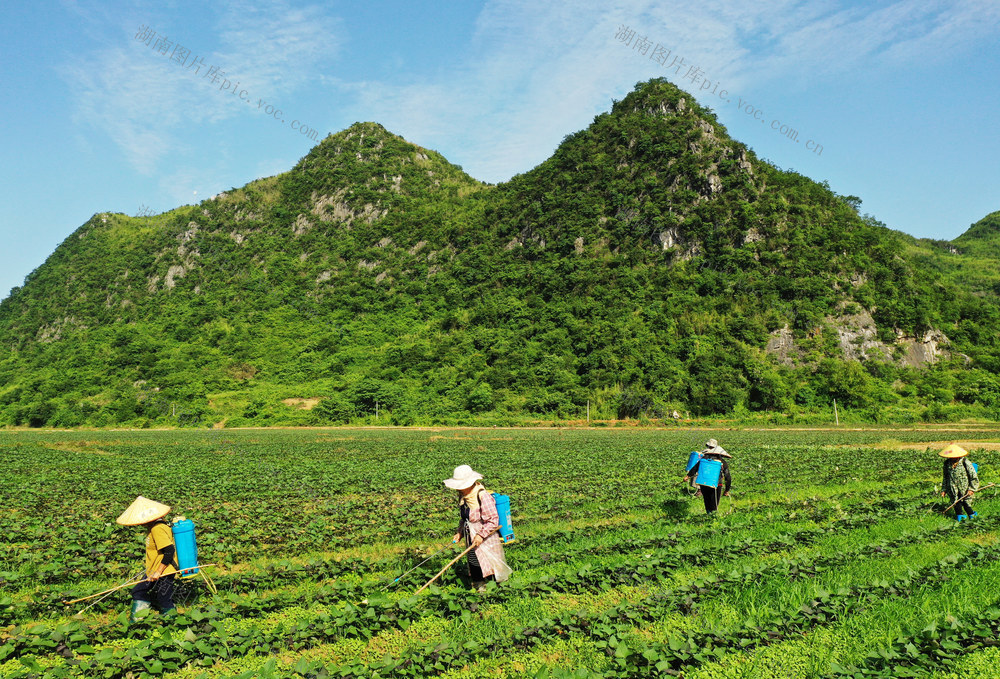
x,y
954,451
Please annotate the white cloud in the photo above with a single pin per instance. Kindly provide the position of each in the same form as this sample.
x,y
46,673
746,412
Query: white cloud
x,y
533,72
274,48
538,71
140,98
134,99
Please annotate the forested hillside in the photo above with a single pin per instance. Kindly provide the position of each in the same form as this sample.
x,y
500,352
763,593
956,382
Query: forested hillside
x,y
651,264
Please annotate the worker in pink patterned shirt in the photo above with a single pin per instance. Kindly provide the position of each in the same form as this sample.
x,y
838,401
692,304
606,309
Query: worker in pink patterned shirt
x,y
478,527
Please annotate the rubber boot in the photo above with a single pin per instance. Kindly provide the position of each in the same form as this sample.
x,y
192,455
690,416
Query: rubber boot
x,y
961,517
973,515
136,607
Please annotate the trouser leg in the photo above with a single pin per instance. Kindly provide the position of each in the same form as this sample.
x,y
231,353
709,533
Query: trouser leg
x,y
163,593
711,498
476,572
140,600
141,592
158,593
964,507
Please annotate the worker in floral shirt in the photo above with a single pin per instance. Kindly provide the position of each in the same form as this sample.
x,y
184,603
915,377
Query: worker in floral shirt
x,y
960,480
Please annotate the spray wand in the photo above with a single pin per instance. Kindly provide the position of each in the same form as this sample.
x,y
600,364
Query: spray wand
x,y
967,494
418,565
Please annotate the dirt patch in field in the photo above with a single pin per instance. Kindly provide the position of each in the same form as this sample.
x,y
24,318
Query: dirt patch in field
x,y
302,403
88,447
981,540
938,445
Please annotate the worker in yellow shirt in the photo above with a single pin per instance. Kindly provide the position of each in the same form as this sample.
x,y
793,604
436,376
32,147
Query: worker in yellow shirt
x,y
157,589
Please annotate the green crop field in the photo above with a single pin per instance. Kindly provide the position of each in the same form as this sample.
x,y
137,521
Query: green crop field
x,y
831,559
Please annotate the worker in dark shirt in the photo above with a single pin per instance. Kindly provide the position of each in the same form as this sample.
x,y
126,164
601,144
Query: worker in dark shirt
x,y
711,496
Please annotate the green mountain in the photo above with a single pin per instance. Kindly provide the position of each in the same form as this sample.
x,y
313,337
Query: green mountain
x,y
983,237
971,262
651,264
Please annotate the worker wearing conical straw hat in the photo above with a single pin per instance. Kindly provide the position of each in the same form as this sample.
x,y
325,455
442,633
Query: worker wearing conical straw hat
x,y
960,481
712,496
157,589
478,523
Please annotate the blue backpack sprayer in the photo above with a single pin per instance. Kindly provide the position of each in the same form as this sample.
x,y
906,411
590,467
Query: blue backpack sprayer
x,y
709,472
186,545
506,525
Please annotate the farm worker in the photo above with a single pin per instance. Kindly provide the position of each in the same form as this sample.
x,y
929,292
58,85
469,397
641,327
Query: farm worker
x,y
161,557
478,527
711,496
960,480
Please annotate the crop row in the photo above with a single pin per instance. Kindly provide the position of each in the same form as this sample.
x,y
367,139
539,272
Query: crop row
x,y
324,570
341,486
334,593
934,647
207,627
611,629
321,569
319,499
612,625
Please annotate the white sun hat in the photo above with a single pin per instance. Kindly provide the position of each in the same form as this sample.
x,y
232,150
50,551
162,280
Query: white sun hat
x,y
142,510
463,477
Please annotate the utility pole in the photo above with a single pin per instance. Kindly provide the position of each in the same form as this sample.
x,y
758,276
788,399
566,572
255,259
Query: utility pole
x,y
588,411
835,415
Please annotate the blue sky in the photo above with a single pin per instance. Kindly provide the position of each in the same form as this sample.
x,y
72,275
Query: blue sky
x,y
902,95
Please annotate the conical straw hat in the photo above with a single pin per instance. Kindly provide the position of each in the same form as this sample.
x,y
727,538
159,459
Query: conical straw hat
x,y
142,510
954,451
